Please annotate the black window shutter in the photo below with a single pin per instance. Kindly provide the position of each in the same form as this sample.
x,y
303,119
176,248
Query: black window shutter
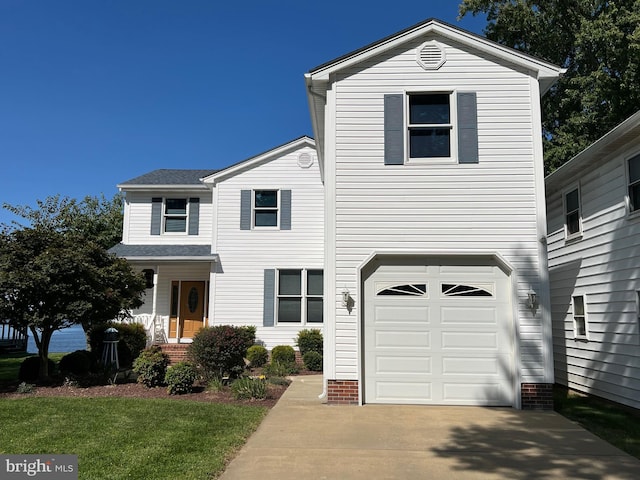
x,y
194,216
394,129
245,210
156,215
268,313
285,209
467,128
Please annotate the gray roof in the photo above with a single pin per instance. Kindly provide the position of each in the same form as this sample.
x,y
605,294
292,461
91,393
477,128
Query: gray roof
x,y
170,176
159,251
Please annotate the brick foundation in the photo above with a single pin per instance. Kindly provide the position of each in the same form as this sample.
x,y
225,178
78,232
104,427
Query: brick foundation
x,y
536,396
342,392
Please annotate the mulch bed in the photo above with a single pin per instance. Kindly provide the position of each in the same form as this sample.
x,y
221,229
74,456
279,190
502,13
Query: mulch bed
x,y
136,390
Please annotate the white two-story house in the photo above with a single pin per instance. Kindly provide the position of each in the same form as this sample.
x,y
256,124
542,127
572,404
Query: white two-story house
x,y
593,209
413,233
430,145
238,246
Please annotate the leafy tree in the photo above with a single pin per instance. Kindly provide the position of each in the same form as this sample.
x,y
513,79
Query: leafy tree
x,y
57,272
597,41
94,218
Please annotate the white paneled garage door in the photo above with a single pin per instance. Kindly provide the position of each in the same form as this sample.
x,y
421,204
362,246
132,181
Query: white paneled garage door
x,y
438,334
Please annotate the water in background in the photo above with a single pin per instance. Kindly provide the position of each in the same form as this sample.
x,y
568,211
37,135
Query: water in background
x,y
65,340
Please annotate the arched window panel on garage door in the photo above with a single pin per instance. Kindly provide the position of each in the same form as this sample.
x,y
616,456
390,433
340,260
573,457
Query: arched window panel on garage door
x,y
466,290
407,289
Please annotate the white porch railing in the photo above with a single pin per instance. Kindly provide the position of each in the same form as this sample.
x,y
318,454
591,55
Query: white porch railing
x,y
153,325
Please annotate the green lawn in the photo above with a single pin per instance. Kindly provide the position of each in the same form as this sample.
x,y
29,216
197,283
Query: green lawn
x,y
615,424
10,364
118,438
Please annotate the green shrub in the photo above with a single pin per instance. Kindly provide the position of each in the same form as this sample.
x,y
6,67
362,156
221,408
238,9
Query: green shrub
x,y
246,388
151,366
220,350
215,385
80,362
132,339
279,369
30,368
309,340
180,378
257,355
278,381
312,361
283,354
26,388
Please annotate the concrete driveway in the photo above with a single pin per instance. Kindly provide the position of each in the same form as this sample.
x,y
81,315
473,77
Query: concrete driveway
x,y
302,438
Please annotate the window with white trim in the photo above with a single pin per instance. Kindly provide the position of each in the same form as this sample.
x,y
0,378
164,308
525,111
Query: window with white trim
x,y
580,325
299,296
572,215
175,215
430,126
633,170
265,208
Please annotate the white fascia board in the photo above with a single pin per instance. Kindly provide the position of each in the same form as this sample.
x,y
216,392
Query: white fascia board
x,y
316,118
546,72
625,132
259,160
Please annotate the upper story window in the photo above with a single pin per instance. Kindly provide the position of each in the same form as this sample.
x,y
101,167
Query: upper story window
x,y
175,216
265,208
572,215
634,183
430,125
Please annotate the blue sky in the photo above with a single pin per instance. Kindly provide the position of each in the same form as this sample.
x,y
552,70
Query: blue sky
x,y
93,93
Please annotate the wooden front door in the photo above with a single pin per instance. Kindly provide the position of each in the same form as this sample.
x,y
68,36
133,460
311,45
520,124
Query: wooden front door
x,y
192,301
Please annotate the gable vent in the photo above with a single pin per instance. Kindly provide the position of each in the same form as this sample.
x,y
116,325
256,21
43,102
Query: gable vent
x,y
430,55
305,160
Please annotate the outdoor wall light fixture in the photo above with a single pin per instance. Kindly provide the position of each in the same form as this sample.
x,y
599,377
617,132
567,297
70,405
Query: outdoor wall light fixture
x,y
345,297
532,299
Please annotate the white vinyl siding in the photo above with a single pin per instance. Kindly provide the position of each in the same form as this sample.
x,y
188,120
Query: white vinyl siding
x,y
605,267
138,219
245,254
488,206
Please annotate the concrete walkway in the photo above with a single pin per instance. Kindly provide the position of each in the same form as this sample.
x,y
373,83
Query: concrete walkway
x,y
302,438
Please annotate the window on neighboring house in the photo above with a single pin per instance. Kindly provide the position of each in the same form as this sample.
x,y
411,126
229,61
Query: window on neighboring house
x,y
265,208
175,215
580,317
430,125
299,296
634,183
572,212
148,277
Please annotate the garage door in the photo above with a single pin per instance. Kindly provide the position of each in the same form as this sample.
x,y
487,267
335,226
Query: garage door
x,y
438,334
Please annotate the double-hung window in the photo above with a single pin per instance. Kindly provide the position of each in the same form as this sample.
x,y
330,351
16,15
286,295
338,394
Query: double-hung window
x,y
580,317
175,215
430,126
572,213
634,183
265,208
299,296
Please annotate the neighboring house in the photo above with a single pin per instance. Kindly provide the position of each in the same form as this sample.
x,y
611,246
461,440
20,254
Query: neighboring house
x,y
430,145
239,246
593,211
